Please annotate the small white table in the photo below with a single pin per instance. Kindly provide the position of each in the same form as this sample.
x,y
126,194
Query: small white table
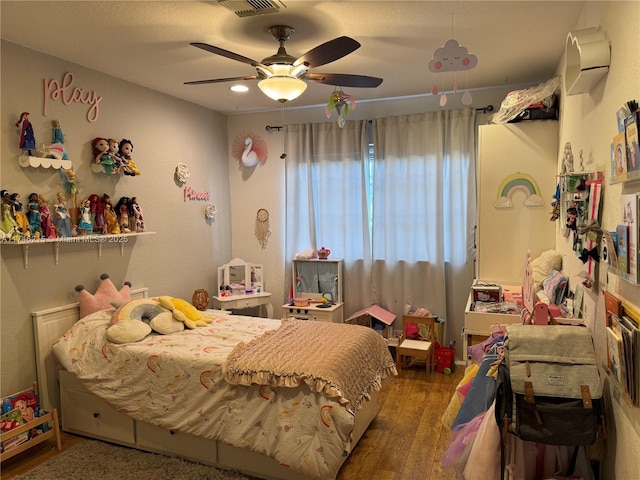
x,y
240,302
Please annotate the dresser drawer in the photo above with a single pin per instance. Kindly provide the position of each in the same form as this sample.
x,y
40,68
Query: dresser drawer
x,y
84,413
333,314
159,440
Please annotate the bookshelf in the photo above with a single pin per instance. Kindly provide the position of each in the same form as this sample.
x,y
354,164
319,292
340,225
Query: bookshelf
x,y
25,430
623,344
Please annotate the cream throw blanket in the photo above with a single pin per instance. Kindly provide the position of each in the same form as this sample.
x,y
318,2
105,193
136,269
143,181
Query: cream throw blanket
x,y
334,359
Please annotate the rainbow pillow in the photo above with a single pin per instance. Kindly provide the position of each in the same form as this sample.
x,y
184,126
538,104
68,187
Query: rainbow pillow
x,y
135,319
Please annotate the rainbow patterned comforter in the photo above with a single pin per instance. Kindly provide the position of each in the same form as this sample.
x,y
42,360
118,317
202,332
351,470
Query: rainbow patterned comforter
x,y
176,382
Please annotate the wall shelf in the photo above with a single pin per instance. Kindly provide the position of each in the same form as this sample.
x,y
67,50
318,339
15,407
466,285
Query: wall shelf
x,y
99,240
625,177
587,55
45,162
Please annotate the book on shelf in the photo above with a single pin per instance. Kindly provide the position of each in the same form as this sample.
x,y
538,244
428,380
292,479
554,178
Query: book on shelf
x,y
630,207
633,144
612,304
614,354
609,250
619,156
631,344
622,232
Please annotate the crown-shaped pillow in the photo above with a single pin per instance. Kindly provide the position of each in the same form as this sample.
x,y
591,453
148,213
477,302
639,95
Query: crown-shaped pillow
x,y
105,295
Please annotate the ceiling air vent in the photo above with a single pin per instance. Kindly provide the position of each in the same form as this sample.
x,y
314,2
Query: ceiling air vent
x,y
248,8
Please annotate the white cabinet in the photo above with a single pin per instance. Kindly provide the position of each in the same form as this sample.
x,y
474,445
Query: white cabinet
x,y
331,314
315,279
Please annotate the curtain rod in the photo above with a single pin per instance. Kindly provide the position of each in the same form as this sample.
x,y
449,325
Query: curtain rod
x,y
488,108
270,128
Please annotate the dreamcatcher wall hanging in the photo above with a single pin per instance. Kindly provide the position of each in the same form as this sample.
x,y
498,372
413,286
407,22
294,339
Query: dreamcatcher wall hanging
x,y
263,229
452,57
249,149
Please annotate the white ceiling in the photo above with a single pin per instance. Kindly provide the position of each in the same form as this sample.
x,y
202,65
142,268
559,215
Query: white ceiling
x,y
147,43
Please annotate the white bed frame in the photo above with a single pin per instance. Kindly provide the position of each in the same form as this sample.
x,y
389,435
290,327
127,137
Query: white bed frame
x,y
49,325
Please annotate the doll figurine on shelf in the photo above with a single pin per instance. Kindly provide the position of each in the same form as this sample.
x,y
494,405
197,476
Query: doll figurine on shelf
x,y
125,214
58,137
127,165
137,213
110,220
48,229
25,130
97,213
85,225
114,147
102,156
17,210
8,224
62,219
34,216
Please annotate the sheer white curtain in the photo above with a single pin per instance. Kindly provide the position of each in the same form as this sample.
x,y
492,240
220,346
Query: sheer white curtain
x,y
326,195
402,218
423,208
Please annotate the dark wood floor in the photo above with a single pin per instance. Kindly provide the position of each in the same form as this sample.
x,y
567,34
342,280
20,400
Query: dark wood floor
x,y
404,442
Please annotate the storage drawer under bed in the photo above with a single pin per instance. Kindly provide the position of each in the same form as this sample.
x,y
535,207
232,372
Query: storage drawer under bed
x,y
86,414
169,442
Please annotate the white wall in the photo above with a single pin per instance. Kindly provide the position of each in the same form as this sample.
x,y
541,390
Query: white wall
x,y
180,257
588,121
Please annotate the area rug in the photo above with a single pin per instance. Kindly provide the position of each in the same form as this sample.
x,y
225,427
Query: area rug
x,y
103,461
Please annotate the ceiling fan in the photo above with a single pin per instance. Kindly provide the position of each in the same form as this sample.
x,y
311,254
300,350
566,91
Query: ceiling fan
x,y
282,77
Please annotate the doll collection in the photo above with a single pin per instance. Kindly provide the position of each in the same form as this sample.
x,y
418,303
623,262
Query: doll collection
x,y
36,217
40,218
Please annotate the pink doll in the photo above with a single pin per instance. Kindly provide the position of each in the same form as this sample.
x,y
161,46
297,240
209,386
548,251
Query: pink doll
x,y
97,213
48,230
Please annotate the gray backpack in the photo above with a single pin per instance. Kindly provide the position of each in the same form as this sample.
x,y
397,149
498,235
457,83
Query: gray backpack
x,y
548,388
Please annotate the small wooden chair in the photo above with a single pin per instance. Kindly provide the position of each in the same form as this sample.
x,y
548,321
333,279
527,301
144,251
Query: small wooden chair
x,y
420,349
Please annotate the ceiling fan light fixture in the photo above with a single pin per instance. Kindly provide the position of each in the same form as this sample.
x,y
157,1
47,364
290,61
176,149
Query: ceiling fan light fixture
x,y
282,89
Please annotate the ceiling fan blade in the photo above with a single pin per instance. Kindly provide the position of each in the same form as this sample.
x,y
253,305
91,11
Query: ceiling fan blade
x,y
225,53
328,52
345,80
220,80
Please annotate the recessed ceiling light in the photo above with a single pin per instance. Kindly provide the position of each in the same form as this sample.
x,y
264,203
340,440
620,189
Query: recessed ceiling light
x,y
239,88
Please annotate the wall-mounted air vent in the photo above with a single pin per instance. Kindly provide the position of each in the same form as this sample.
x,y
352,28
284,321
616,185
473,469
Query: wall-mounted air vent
x,y
248,8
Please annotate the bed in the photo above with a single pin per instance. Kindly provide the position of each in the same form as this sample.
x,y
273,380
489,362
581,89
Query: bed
x,y
198,395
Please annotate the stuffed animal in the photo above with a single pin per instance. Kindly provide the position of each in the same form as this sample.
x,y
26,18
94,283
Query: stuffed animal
x,y
541,267
184,312
135,319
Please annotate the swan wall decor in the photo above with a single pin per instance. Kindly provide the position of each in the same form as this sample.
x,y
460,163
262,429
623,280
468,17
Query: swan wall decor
x,y
249,149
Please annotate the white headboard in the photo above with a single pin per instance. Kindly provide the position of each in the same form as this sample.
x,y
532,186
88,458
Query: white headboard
x,y
48,326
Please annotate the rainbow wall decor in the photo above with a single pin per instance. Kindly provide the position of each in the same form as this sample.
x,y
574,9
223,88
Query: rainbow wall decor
x,y
519,182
